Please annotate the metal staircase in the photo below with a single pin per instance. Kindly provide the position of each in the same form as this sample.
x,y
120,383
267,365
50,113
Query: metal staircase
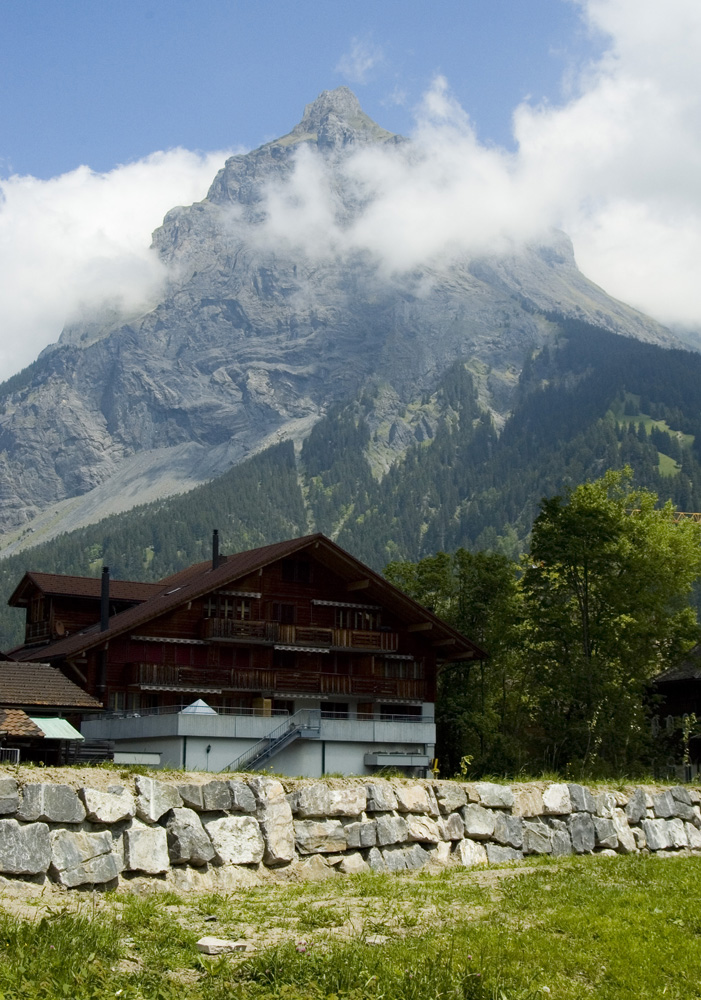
x,y
305,725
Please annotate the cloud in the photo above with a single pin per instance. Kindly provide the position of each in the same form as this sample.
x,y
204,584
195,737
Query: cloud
x,y
616,165
356,65
81,241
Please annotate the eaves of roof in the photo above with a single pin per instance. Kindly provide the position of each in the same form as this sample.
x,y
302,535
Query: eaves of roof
x,y
206,579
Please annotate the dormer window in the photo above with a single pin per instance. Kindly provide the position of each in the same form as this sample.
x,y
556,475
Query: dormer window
x,y
296,571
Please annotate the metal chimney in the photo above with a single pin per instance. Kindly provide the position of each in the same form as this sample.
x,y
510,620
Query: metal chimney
x,y
215,548
105,600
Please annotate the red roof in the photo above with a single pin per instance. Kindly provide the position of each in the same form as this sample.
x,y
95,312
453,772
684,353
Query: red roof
x,y
201,579
40,684
15,722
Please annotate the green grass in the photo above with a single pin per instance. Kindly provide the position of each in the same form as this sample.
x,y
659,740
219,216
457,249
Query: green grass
x,y
619,928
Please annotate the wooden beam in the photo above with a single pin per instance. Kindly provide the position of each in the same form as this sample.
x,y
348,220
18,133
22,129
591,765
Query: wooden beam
x,y
444,642
80,673
420,627
358,585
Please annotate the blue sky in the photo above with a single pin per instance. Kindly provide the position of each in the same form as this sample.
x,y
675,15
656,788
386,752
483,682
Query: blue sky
x,y
105,83
526,114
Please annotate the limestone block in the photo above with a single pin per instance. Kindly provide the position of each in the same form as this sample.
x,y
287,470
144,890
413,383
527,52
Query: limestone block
x,y
237,840
636,808
508,830
469,853
582,832
51,803
693,835
391,830
209,945
353,864
361,833
81,858
146,849
314,868
380,797
394,859
479,822
191,796
414,799
108,807
677,833
562,843
556,800
440,853
415,856
187,839
423,830
155,798
450,796
266,790
605,804
471,792
216,796
275,819
24,850
497,855
694,795
528,801
663,805
375,860
347,801
310,801
681,794
656,834
242,798
640,839
495,796
605,831
320,836
626,840
581,798
451,827
537,837
9,796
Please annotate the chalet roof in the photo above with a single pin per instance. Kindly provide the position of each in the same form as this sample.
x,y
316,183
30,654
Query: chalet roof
x,y
15,722
40,684
81,586
688,670
201,579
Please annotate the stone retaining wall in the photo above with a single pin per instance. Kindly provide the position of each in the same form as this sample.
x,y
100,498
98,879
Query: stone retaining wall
x,y
87,836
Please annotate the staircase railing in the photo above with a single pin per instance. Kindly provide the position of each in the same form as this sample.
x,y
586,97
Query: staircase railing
x,y
305,724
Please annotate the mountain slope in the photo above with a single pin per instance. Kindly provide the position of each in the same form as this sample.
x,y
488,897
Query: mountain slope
x,y
254,342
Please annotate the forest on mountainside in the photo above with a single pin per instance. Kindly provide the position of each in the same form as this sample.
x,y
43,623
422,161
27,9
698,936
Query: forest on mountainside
x,y
591,401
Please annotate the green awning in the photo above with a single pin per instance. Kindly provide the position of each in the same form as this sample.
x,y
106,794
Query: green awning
x,y
57,729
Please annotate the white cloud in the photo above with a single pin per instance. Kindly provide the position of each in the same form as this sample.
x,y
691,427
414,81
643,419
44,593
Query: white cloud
x,y
357,64
81,241
616,165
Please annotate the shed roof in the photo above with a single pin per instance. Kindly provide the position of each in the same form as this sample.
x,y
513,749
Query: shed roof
x,y
39,684
80,586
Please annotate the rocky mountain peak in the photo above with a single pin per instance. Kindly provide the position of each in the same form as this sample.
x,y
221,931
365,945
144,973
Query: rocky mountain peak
x,y
336,119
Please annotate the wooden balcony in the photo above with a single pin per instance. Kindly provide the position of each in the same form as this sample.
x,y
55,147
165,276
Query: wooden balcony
x,y
309,636
156,677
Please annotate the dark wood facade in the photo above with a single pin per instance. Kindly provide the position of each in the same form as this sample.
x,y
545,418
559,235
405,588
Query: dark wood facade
x,y
300,620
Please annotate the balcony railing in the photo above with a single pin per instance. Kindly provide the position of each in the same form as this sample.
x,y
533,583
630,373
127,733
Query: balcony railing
x,y
156,677
299,635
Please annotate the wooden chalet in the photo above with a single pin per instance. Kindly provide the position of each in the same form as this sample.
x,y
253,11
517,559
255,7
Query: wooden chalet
x,y
298,636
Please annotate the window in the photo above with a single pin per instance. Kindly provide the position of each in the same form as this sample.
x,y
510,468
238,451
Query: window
x,y
399,669
37,610
394,711
296,571
283,613
243,609
116,701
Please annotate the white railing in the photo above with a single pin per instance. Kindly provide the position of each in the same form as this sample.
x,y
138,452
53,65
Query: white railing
x,y
9,755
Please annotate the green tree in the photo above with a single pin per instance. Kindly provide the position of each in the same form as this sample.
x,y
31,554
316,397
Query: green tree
x,y
479,703
606,598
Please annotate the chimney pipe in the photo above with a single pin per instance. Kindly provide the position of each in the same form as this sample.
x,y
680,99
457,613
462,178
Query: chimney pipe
x,y
215,548
105,600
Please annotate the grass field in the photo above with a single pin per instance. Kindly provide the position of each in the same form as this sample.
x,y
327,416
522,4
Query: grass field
x,y
623,927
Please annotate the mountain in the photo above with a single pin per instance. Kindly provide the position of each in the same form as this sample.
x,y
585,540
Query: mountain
x,y
255,341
